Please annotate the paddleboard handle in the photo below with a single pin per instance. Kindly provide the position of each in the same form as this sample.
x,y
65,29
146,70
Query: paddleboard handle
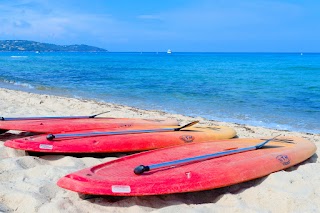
x,y
141,169
185,126
50,137
93,116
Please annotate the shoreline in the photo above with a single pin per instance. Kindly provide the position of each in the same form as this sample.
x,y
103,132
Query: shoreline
x,y
115,110
28,183
29,89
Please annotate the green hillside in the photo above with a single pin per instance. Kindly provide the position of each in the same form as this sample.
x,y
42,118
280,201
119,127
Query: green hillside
x,y
23,45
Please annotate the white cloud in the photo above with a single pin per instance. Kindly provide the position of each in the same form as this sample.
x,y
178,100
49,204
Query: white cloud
x,y
149,17
21,24
32,20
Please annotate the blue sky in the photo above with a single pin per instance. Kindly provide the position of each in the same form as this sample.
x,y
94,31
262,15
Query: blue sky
x,y
181,25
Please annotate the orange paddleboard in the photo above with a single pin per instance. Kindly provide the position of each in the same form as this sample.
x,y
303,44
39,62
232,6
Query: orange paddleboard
x,y
118,178
119,142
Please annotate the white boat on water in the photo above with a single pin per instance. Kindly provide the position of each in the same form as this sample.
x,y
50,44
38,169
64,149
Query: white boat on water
x,y
169,51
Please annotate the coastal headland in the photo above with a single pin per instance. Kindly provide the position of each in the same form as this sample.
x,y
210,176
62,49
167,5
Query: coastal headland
x,y
34,46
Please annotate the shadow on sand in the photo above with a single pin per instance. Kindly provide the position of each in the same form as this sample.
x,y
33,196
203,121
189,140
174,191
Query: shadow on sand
x,y
8,135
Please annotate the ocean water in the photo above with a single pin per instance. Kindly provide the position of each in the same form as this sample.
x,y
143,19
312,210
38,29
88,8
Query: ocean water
x,y
276,90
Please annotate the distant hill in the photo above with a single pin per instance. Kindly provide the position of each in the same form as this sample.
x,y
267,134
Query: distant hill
x,y
23,45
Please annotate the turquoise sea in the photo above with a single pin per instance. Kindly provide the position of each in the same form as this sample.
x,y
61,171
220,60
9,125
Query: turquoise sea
x,y
276,90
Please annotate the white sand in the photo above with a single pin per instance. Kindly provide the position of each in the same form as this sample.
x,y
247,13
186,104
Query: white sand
x,y
28,183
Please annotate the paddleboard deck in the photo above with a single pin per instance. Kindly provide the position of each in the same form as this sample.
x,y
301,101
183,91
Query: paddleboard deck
x,y
69,125
117,178
121,143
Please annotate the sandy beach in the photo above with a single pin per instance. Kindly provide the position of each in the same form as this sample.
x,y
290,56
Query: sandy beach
x,y
28,183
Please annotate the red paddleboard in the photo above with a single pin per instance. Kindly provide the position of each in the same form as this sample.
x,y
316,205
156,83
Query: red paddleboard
x,y
68,125
118,178
120,142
